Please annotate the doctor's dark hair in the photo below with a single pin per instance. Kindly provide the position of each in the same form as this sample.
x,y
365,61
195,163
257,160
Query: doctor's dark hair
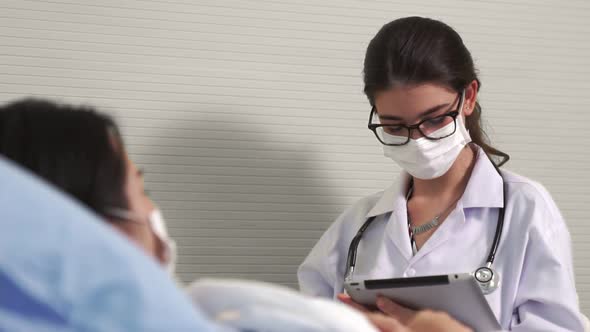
x,y
76,149
416,50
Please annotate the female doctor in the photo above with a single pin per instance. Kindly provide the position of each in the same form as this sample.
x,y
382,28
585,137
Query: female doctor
x,y
452,210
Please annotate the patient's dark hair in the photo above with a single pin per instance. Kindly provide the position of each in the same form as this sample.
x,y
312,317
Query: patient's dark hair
x,y
75,148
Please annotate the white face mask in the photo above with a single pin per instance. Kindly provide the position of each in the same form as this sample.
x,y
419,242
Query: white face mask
x,y
429,159
158,225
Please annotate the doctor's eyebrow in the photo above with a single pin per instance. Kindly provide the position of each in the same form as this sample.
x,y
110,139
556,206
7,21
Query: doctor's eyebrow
x,y
421,115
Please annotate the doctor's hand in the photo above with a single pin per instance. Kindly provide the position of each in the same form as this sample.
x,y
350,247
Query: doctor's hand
x,y
392,309
423,321
435,321
385,305
409,320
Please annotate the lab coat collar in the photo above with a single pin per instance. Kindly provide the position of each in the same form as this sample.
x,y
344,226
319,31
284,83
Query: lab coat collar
x,y
484,189
392,198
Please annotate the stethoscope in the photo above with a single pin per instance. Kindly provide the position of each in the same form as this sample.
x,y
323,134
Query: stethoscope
x,y
486,277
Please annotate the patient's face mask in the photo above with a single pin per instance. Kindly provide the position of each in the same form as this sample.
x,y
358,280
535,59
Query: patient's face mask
x,y
157,225
159,228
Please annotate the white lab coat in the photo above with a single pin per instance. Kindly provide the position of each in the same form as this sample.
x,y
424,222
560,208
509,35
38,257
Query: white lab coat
x,y
534,259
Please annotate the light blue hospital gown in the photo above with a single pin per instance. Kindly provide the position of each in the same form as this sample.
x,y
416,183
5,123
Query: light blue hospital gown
x,y
61,269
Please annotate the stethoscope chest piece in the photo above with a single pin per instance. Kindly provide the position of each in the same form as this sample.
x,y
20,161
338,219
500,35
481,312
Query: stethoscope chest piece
x,y
487,279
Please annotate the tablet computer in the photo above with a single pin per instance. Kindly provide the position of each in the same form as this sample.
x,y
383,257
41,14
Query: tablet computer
x,y
458,295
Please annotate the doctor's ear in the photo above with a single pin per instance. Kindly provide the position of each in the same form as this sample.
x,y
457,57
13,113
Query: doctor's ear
x,y
470,97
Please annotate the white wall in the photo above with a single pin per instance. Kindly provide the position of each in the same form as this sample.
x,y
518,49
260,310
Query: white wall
x,y
249,119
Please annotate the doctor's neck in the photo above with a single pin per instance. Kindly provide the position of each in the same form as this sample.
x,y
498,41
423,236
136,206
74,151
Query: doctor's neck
x,y
452,184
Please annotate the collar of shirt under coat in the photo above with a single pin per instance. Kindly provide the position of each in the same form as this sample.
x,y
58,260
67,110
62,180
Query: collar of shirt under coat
x,y
484,189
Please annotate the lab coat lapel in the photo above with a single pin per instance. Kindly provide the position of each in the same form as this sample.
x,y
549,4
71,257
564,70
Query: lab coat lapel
x,y
450,226
397,231
392,204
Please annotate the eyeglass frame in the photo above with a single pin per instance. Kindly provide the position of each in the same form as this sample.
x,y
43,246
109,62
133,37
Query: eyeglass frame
x,y
373,126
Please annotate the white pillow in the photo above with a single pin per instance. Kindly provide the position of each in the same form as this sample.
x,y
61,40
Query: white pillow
x,y
258,306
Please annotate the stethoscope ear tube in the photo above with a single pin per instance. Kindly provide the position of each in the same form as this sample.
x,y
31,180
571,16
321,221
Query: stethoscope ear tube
x,y
486,277
352,249
499,225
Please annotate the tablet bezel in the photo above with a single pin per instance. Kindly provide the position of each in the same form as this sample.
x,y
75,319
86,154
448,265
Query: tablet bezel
x,y
457,294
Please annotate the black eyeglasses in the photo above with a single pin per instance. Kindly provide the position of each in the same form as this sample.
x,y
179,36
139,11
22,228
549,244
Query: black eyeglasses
x,y
434,128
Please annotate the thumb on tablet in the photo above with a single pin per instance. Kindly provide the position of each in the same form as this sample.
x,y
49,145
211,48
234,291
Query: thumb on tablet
x,y
344,298
385,323
401,313
432,321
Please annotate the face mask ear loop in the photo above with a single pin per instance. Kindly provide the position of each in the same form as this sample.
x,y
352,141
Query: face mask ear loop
x,y
462,102
464,119
116,212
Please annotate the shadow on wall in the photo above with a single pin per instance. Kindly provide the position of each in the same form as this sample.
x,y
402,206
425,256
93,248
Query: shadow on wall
x,y
241,200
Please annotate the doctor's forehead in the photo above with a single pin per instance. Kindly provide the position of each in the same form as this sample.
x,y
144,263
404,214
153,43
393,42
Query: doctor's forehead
x,y
413,99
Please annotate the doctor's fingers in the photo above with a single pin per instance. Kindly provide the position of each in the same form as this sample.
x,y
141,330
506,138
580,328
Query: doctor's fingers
x,y
385,323
349,301
401,313
432,321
